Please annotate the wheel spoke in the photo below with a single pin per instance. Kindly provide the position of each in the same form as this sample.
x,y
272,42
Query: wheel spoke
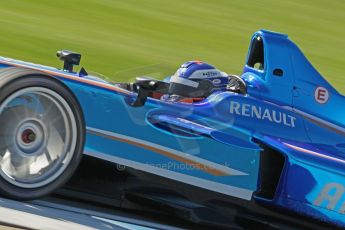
x,y
47,105
22,171
51,120
48,156
5,162
55,144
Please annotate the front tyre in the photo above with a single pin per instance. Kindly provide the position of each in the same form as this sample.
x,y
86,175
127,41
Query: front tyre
x,y
41,136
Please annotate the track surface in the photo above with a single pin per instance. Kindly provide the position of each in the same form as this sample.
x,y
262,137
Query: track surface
x,y
53,213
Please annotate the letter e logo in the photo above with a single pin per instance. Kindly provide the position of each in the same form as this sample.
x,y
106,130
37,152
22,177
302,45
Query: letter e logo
x,y
321,95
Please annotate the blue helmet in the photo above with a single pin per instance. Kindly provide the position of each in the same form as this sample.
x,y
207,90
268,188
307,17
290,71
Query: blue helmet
x,y
197,79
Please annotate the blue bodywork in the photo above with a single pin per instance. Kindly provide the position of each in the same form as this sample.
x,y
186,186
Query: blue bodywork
x,y
216,144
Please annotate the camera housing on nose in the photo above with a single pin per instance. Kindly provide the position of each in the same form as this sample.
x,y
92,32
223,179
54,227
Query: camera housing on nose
x,y
69,58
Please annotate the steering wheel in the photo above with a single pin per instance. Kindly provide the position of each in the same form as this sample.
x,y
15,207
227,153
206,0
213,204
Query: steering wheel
x,y
236,84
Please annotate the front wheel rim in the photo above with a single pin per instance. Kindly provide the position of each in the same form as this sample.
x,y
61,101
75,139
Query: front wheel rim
x,y
38,138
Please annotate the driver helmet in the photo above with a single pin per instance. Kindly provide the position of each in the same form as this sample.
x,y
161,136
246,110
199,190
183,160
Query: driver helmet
x,y
196,79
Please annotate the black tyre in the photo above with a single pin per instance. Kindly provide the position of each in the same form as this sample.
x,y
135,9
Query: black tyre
x,y
42,136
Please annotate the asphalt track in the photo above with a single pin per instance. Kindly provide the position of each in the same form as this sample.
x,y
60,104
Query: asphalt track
x,y
53,214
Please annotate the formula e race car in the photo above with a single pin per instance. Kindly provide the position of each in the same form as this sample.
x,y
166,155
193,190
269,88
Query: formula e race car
x,y
274,140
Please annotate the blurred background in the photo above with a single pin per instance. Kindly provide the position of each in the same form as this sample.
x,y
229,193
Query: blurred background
x,y
126,38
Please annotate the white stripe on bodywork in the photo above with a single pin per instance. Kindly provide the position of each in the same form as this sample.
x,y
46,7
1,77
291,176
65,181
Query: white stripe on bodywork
x,y
223,168
183,81
336,127
314,153
242,193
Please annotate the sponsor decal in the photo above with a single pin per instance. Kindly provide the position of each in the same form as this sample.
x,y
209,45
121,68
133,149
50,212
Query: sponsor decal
x,y
321,95
210,74
332,197
261,113
216,81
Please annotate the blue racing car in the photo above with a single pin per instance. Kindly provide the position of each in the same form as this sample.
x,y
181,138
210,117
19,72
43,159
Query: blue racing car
x,y
272,137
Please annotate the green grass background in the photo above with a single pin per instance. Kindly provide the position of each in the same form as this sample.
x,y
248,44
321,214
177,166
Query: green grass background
x,y
126,38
